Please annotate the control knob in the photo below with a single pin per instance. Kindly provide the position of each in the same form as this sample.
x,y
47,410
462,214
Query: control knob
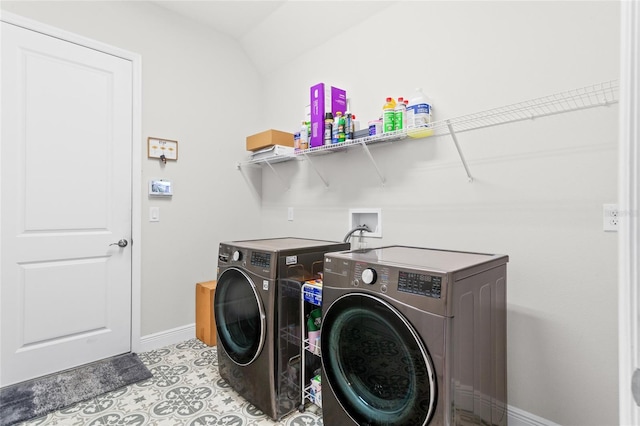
x,y
237,255
369,276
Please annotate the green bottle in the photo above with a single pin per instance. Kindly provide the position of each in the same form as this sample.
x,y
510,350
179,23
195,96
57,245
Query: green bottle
x,y
341,128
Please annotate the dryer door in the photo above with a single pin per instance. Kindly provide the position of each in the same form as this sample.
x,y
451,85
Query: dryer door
x,y
375,363
240,317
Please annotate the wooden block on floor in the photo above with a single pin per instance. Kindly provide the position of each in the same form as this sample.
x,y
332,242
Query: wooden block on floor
x,y
205,320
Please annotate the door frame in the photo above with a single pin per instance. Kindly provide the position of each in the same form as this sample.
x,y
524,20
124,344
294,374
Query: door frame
x,y
136,151
629,199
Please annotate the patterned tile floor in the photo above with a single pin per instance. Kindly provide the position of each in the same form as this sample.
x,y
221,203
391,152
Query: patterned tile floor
x,y
185,390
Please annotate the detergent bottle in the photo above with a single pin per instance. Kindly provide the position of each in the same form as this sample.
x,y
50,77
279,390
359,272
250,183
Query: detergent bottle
x,y
418,110
389,116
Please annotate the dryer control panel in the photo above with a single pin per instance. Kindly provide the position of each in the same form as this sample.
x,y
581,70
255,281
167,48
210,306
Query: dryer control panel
x,y
261,259
254,261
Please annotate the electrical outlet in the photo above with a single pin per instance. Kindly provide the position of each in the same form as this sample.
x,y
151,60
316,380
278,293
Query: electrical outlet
x,y
610,217
290,214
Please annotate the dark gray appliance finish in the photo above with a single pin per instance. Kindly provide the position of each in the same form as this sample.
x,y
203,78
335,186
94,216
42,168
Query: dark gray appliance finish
x,y
414,336
254,321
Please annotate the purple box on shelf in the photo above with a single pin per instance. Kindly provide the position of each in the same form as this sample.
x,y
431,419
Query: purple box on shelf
x,y
324,98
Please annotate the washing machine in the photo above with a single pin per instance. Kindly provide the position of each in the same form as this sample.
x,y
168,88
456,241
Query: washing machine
x,y
257,313
414,336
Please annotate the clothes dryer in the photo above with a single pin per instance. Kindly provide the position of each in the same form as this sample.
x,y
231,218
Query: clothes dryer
x,y
258,331
414,336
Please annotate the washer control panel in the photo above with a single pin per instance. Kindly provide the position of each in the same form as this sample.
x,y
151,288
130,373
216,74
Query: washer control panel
x,y
421,284
385,278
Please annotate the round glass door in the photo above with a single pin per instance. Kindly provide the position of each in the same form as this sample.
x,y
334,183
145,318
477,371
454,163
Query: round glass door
x,y
376,364
240,319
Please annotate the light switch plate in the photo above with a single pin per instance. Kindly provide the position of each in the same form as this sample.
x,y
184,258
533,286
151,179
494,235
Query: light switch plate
x,y
154,214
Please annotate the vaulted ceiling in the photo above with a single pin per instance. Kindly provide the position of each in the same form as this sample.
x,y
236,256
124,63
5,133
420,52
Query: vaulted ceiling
x,y
272,32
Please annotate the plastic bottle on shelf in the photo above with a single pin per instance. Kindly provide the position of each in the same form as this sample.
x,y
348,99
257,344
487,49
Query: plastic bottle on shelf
x,y
355,124
400,115
328,128
406,105
342,128
419,110
304,136
348,125
388,115
336,124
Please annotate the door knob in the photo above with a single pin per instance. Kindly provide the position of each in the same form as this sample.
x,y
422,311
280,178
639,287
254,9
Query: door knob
x,y
121,243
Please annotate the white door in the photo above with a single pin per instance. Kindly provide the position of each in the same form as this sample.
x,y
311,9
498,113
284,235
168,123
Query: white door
x,y
65,198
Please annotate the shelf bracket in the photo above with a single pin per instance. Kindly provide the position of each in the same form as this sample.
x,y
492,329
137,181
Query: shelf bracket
x,y
284,182
366,149
455,141
326,184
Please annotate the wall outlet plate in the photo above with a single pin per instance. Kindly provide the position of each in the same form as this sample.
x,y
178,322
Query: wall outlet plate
x,y
610,218
365,216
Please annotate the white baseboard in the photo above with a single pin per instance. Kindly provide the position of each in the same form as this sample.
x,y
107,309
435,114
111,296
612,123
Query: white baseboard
x,y
155,341
150,342
518,417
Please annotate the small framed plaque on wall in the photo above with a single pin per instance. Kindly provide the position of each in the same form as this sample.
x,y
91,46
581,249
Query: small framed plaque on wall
x,y
157,148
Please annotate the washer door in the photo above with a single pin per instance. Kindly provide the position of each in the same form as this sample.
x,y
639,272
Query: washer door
x,y
240,318
375,363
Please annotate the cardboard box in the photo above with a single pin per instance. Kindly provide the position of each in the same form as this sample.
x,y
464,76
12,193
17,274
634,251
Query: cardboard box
x,y
205,320
269,138
324,98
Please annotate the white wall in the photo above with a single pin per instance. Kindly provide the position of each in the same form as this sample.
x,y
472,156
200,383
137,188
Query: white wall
x,y
189,74
539,185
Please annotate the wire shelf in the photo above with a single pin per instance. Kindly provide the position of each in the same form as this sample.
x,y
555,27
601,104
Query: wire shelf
x,y
340,146
597,95
271,159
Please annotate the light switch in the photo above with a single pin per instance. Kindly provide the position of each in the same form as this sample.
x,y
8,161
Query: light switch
x,y
154,214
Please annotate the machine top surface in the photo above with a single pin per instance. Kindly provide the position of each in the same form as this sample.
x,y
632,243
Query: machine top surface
x,y
420,258
285,243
